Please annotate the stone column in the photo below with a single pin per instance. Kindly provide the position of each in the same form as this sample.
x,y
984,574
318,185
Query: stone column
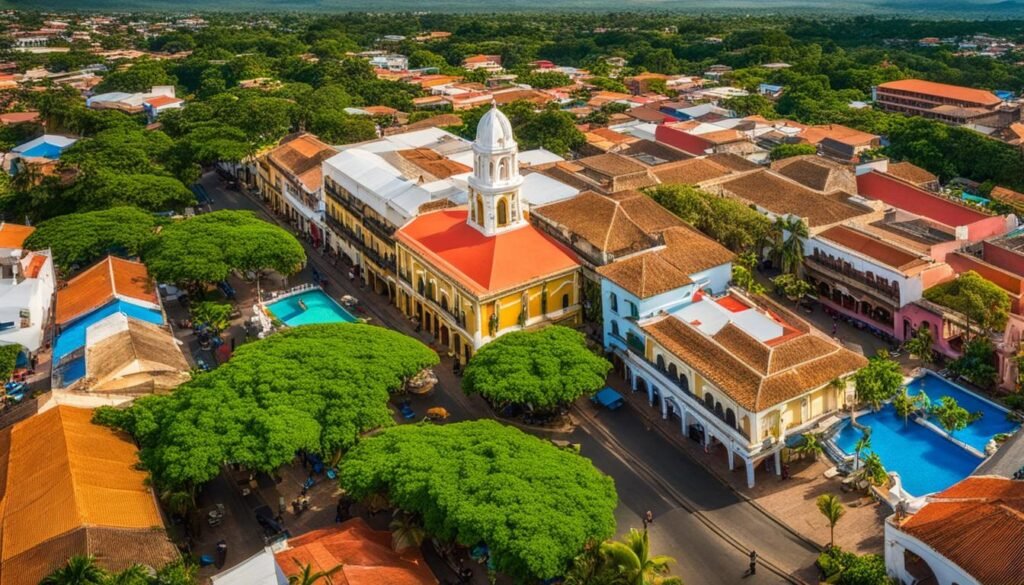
x,y
750,473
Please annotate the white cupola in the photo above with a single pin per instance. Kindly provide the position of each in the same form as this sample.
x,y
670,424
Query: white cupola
x,y
494,202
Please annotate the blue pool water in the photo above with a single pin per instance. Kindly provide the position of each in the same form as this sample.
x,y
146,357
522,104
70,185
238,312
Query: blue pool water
x,y
927,461
978,433
44,150
320,308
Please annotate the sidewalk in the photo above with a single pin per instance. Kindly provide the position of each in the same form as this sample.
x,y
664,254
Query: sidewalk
x,y
792,499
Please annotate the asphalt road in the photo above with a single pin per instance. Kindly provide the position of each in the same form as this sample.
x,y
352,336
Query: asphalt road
x,y
707,527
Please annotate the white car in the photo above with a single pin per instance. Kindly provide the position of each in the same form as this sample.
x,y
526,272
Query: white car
x,y
169,292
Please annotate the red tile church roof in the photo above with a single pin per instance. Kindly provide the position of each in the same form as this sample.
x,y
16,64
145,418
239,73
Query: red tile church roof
x,y
483,264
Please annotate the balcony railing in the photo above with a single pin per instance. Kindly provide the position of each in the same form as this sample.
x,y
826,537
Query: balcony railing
x,y
383,230
855,278
346,201
385,262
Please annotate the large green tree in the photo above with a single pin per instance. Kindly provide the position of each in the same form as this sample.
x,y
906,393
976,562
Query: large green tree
x,y
547,369
878,381
734,225
978,299
81,238
534,505
206,248
316,387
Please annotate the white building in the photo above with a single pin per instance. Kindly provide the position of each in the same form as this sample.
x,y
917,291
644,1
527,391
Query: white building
x,y
27,283
969,534
735,371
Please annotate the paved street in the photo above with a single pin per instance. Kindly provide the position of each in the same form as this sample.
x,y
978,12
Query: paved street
x,y
704,524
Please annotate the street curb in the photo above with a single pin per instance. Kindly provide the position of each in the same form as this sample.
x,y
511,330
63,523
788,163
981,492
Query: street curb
x,y
676,441
609,440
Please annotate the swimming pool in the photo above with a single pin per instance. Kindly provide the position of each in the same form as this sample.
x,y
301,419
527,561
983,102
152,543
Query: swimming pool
x,y
977,434
927,461
320,308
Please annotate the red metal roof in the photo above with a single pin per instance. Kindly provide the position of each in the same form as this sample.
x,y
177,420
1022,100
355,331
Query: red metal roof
x,y
480,263
95,287
942,90
978,524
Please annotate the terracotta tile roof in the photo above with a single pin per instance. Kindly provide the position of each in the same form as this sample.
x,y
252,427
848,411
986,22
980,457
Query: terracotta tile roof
x,y
482,264
611,164
438,121
645,212
732,161
691,172
755,374
600,221
1007,195
71,487
646,275
875,248
365,554
163,100
142,359
106,280
942,90
911,173
13,236
781,196
723,136
811,171
18,117
839,133
432,162
691,251
300,156
978,524
685,252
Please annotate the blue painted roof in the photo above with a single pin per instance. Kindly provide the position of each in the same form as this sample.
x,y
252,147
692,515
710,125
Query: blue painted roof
x,y
769,87
73,372
72,337
1003,94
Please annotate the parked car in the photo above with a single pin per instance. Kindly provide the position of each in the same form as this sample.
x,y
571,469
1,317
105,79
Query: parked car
x,y
169,292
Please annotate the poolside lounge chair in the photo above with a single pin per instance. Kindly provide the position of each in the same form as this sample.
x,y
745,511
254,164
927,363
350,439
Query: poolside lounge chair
x,y
831,472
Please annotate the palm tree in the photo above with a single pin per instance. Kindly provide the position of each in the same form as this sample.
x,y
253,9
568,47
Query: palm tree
x,y
79,570
832,509
633,562
789,251
810,445
179,572
793,248
406,531
133,575
864,442
589,569
309,577
874,471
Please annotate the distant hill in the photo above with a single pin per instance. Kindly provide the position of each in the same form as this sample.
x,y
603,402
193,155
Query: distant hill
x,y
921,8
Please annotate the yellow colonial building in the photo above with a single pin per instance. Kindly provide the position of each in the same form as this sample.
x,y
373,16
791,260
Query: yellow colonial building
x,y
470,274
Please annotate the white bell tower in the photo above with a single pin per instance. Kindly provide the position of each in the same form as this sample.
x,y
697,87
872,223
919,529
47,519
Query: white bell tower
x,y
494,203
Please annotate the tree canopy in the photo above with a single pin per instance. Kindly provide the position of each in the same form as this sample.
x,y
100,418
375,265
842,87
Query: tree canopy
x,y
878,381
534,505
736,226
81,238
316,387
982,301
206,248
547,368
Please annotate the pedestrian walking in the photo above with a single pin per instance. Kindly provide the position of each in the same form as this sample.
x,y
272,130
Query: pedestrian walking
x,y
338,516
753,563
648,519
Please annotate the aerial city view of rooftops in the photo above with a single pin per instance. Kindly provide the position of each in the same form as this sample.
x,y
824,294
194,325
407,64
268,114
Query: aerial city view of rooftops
x,y
453,293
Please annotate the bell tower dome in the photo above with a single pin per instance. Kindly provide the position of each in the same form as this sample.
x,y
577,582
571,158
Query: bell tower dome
x,y
494,201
